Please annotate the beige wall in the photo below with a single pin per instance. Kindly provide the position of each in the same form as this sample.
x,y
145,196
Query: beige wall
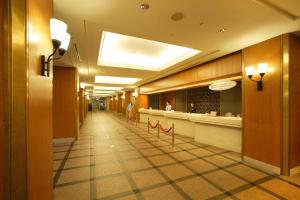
x,y
65,104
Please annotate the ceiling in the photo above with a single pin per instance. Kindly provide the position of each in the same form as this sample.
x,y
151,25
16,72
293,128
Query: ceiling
x,y
246,22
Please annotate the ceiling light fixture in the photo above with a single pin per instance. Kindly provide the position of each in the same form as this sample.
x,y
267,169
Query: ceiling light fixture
x,y
60,41
117,50
103,92
177,16
222,30
222,85
144,6
107,88
116,80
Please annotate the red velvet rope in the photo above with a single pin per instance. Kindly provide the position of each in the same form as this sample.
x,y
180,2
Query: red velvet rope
x,y
155,126
164,129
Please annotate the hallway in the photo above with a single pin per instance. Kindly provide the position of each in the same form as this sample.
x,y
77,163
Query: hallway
x,y
113,159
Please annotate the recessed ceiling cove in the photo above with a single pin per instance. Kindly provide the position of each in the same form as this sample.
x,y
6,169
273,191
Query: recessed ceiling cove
x,y
117,50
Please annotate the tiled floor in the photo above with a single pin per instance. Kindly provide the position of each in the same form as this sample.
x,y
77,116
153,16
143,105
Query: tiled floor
x,y
116,160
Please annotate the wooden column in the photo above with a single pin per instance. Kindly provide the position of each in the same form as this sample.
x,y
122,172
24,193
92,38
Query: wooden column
x,y
119,103
81,106
294,104
127,100
262,109
65,102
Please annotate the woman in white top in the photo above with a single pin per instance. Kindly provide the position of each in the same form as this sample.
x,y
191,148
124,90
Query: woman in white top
x,y
168,106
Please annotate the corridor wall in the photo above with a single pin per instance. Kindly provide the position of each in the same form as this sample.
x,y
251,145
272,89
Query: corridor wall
x,y
65,102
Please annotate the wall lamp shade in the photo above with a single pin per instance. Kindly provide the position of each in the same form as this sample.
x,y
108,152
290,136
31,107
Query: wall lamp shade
x,y
262,69
57,30
60,41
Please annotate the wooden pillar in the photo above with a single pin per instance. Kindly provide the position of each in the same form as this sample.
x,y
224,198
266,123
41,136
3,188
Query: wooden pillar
x,y
127,100
81,106
119,103
65,123
261,119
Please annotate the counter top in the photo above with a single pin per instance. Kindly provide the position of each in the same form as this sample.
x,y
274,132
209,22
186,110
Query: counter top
x,y
197,117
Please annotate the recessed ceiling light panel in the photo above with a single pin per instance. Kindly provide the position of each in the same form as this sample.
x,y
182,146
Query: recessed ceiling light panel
x,y
116,80
107,88
117,50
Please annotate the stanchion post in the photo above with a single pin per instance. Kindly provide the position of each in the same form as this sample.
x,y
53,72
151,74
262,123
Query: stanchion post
x,y
158,127
173,135
148,125
136,120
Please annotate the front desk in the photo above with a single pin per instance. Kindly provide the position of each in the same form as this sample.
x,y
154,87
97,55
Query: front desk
x,y
223,132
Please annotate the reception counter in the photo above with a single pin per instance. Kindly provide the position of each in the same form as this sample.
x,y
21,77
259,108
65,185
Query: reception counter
x,y
223,132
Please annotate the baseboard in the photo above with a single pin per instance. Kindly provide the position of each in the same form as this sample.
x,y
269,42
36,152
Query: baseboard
x,y
294,171
262,165
63,140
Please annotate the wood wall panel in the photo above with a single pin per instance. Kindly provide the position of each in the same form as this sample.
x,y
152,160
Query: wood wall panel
x,y
82,105
294,103
169,96
119,103
110,103
262,109
40,97
143,101
226,66
65,102
2,148
114,103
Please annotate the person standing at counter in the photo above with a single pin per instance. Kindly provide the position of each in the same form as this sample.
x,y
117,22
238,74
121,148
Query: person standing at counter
x,y
168,106
192,108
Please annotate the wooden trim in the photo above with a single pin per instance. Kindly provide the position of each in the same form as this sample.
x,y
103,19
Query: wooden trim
x,y
15,99
243,108
285,132
262,165
225,67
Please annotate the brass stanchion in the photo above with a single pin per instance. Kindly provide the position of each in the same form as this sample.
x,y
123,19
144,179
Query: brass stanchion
x,y
173,135
158,127
148,125
136,119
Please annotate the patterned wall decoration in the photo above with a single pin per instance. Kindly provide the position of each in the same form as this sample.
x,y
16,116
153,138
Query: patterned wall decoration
x,y
205,100
153,100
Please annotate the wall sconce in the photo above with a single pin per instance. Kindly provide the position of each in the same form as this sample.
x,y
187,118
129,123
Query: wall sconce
x,y
123,97
116,98
60,41
262,68
134,94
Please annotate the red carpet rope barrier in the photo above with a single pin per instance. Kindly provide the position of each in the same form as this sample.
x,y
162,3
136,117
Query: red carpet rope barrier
x,y
153,126
159,127
165,130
